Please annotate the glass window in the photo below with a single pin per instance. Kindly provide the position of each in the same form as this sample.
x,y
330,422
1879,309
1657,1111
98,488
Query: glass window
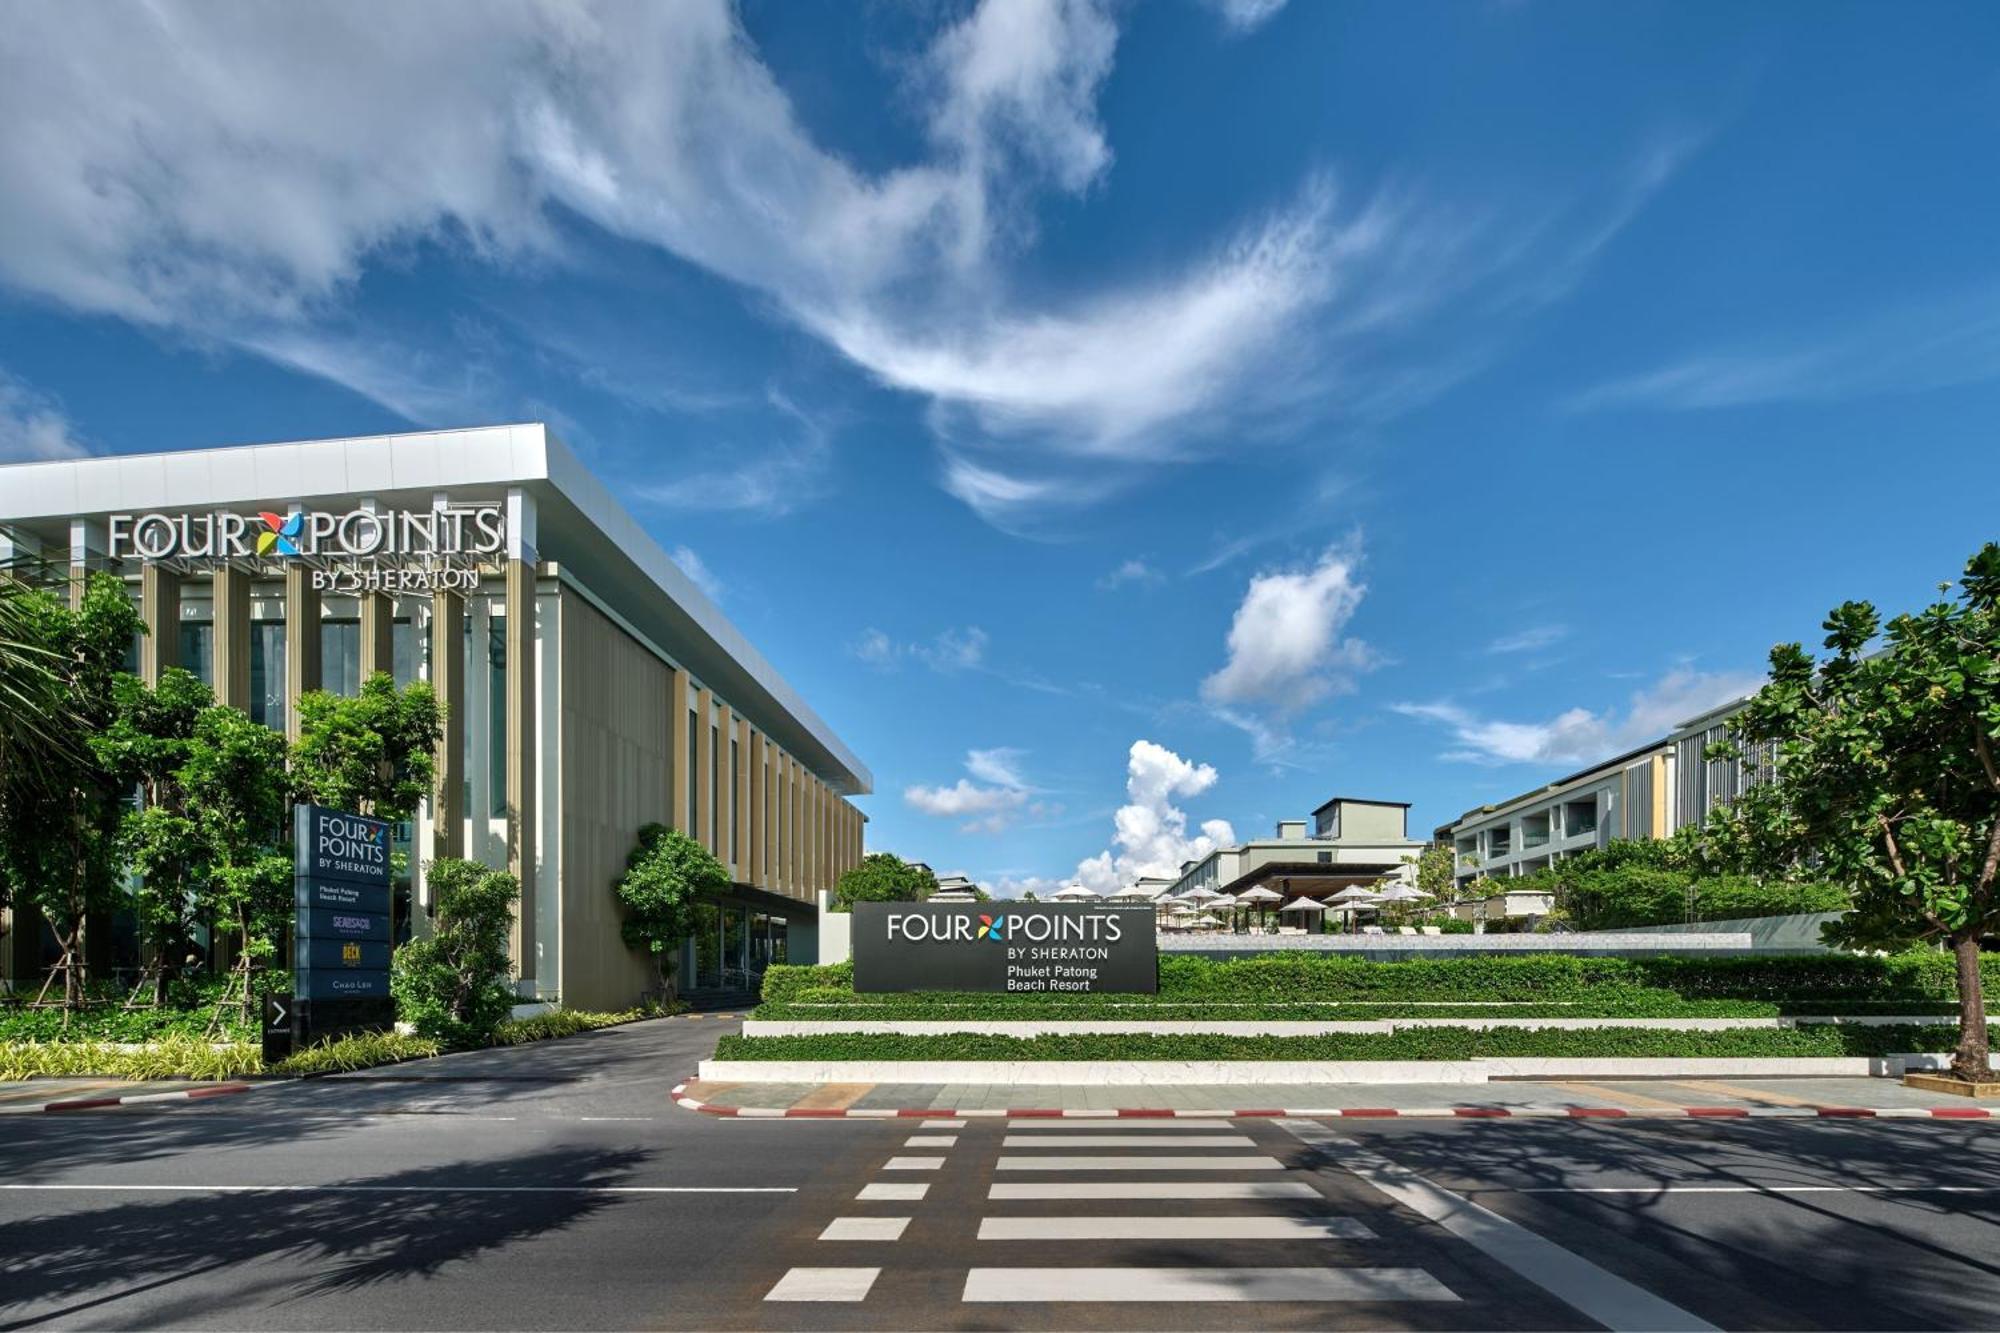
x,y
496,719
410,652
340,657
735,958
197,650
267,673
694,767
707,941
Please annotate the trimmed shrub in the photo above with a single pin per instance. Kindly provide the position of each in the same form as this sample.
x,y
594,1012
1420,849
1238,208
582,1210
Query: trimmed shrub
x,y
453,987
174,1057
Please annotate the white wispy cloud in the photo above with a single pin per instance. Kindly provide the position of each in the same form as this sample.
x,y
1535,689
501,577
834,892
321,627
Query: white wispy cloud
x,y
1241,16
698,571
771,475
1913,347
1582,735
1133,571
234,173
1528,640
950,650
990,800
33,426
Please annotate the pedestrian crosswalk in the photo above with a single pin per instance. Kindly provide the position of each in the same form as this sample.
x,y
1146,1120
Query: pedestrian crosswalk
x,y
1068,1212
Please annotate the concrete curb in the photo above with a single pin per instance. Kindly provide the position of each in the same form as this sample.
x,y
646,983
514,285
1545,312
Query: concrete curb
x,y
130,1099
681,1099
1250,1073
927,1027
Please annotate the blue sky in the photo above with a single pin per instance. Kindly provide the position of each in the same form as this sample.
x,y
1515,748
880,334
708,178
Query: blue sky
x,y
1123,421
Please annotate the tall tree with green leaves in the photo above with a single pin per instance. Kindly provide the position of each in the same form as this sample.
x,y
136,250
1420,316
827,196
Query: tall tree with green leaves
x,y
59,839
883,877
1888,777
373,754
666,875
238,794
147,745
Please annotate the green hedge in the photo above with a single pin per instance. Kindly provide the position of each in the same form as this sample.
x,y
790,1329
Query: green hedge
x,y
1414,1044
1637,986
173,1057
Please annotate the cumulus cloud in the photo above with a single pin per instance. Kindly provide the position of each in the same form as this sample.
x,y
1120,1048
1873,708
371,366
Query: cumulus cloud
x,y
697,571
33,426
1287,643
1581,735
992,799
1150,834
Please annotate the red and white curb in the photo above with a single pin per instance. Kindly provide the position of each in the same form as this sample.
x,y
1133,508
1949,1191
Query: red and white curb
x,y
130,1099
1344,1112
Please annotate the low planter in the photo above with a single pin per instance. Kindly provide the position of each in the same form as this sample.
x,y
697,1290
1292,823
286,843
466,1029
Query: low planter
x,y
1954,1085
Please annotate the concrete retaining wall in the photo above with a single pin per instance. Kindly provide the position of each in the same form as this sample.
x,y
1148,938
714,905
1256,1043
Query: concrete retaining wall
x,y
1002,1027
1396,948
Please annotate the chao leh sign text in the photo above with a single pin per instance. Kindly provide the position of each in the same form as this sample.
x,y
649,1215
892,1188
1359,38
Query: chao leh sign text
x,y
358,550
1049,948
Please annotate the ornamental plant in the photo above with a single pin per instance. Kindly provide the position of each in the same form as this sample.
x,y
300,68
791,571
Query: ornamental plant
x,y
883,877
373,754
666,875
454,987
1888,777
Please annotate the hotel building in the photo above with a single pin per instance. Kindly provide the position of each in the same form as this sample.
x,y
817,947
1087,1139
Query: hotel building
x,y
589,687
1648,792
1351,842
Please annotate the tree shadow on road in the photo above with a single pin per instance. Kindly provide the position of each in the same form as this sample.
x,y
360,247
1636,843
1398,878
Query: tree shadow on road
x,y
362,1232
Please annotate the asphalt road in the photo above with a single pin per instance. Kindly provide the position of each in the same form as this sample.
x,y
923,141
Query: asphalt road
x,y
555,1186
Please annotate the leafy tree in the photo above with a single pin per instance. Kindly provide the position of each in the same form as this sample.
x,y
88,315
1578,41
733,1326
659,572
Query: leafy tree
x,y
1028,896
667,873
883,877
454,986
41,739
374,754
59,836
147,746
1888,779
236,791
1436,871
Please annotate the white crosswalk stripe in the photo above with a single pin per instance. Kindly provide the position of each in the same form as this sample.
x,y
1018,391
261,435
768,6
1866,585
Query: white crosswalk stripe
x,y
1284,1243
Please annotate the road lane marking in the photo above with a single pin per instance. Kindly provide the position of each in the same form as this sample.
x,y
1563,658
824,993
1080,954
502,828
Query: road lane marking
x,y
1099,1125
930,1140
893,1193
1747,1189
913,1164
1173,1228
865,1228
824,1284
1130,1141
1190,1162
1609,1299
417,1189
1154,1189
943,1124
1156,1285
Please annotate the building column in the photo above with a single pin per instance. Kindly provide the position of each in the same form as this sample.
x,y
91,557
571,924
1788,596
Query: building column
x,y
448,684
753,828
703,702
160,608
302,642
229,636
521,700
378,635
681,702
795,828
739,842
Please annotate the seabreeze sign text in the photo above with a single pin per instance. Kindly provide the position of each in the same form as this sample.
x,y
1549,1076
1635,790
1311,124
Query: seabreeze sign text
x,y
1049,948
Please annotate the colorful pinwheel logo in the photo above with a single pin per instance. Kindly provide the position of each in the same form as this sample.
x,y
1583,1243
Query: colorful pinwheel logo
x,y
989,929
284,529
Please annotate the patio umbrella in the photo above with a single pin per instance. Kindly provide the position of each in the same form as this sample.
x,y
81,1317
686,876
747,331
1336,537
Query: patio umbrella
x,y
1226,904
1258,895
1401,893
1303,904
1201,895
1132,893
1075,893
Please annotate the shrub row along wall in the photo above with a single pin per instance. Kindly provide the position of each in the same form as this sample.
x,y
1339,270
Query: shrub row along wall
x,y
1416,1044
1827,983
